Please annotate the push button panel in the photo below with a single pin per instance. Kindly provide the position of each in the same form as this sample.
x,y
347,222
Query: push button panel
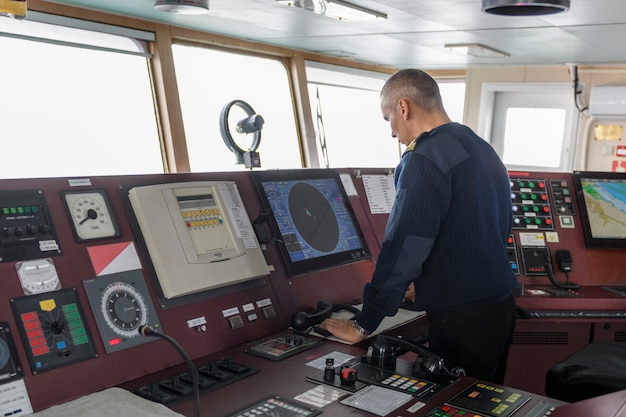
x,y
531,204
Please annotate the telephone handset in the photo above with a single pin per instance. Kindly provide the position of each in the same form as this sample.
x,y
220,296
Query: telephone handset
x,y
564,261
387,347
303,321
537,261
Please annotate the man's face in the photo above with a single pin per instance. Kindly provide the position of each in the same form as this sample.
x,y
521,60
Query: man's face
x,y
393,113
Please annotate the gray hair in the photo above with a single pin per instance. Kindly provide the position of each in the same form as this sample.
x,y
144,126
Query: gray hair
x,y
415,85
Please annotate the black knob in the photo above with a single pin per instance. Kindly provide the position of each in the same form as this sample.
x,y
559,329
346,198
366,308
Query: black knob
x,y
57,327
329,370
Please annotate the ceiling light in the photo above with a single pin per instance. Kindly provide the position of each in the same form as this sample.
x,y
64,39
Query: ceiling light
x,y
337,53
476,50
182,6
337,9
525,7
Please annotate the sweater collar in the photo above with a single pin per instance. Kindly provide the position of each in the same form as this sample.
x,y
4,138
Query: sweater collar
x,y
413,144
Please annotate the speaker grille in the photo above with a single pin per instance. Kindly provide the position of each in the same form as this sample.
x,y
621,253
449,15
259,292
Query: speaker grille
x,y
540,338
619,336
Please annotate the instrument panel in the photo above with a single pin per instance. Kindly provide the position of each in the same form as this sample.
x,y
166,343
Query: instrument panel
x,y
75,302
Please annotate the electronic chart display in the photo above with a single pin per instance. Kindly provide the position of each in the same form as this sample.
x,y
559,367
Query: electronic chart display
x,y
602,199
312,218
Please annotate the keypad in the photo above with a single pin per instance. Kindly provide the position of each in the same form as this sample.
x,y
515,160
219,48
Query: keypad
x,y
448,411
404,383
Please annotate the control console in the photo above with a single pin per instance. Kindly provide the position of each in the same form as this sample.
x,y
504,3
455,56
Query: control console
x,y
282,346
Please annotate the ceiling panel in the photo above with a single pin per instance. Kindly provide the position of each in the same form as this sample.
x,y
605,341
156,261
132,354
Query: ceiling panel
x,y
414,33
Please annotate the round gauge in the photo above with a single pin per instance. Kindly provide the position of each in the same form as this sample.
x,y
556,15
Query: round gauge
x,y
38,276
91,215
123,309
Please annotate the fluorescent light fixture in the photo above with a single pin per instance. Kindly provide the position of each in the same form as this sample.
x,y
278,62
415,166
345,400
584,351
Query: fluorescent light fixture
x,y
337,9
337,52
182,6
477,50
67,31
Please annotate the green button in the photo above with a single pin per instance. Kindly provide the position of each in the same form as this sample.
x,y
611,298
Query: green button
x,y
81,340
78,332
72,316
69,308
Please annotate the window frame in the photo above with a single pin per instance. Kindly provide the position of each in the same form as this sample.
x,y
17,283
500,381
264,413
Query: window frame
x,y
176,112
79,36
572,119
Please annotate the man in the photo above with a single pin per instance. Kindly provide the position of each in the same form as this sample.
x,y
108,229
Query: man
x,y
446,235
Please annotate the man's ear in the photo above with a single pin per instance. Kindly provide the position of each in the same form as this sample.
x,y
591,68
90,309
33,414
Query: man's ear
x,y
403,108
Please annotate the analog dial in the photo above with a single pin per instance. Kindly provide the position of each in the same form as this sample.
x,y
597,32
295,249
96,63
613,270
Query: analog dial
x,y
91,215
123,309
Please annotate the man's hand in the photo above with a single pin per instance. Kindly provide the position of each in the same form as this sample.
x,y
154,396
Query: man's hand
x,y
342,329
410,293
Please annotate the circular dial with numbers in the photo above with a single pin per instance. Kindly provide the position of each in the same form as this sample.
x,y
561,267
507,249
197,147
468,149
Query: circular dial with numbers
x,y
91,215
123,309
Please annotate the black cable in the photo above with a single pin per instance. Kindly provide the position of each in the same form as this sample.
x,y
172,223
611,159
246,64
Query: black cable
x,y
577,91
563,285
149,331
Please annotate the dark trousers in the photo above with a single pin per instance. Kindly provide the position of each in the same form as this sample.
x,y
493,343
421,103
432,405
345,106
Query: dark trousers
x,y
476,338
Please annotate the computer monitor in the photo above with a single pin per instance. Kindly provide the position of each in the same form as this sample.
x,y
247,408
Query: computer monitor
x,y
312,219
602,200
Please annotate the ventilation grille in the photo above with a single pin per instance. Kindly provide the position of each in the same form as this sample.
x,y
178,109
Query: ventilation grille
x,y
619,336
540,338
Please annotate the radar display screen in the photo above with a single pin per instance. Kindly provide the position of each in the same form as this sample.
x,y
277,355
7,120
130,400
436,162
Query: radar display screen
x,y
312,218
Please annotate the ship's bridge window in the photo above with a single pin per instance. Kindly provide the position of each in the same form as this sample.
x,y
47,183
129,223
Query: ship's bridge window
x,y
531,126
76,99
208,80
349,126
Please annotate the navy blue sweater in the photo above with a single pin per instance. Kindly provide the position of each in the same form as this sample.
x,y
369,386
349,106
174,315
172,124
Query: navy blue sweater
x,y
447,230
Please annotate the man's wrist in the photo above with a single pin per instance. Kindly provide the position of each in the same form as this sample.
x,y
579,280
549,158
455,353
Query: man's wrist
x,y
360,328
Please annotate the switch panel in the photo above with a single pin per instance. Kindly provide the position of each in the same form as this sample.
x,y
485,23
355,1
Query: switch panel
x,y
531,205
